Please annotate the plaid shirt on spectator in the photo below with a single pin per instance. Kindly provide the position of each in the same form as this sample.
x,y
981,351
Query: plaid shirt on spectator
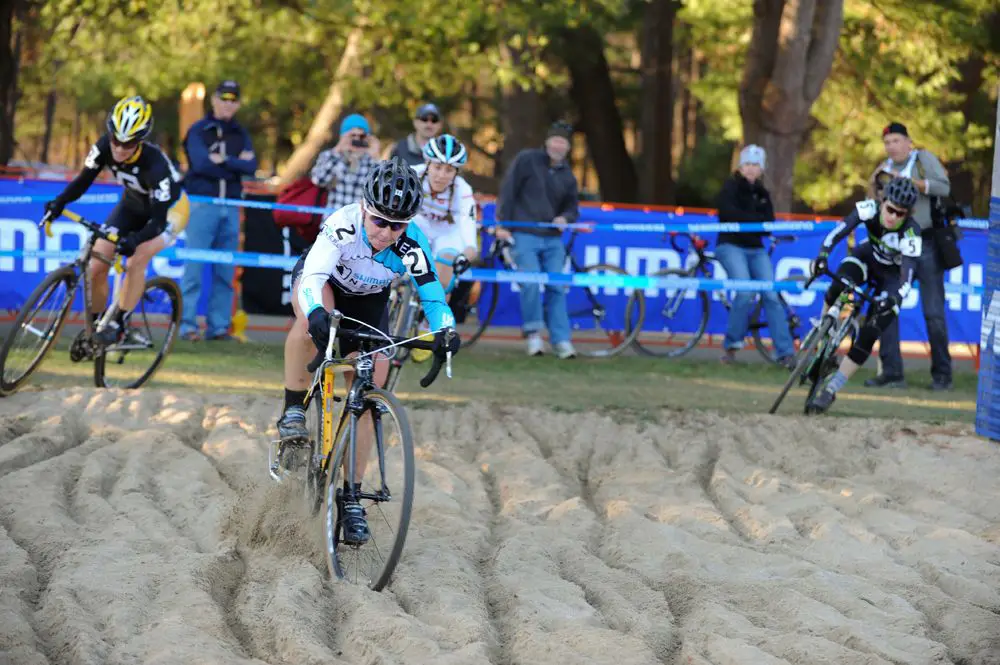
x,y
348,185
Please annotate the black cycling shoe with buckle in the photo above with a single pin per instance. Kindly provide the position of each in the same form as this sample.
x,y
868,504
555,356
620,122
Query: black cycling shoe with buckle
x,y
292,424
354,524
821,402
109,335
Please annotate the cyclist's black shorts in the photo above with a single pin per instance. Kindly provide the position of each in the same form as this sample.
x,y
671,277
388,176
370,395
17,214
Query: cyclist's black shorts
x,y
372,308
128,216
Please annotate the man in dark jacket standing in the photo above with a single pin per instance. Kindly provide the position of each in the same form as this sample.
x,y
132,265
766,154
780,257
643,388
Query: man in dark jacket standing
x,y
427,124
540,187
219,153
931,180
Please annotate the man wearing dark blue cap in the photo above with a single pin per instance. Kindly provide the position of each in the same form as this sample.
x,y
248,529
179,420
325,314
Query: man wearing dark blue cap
x,y
427,124
219,153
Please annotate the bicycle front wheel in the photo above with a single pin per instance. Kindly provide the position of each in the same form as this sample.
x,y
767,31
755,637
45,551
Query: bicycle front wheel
x,y
132,361
675,319
766,346
384,468
599,316
805,359
36,328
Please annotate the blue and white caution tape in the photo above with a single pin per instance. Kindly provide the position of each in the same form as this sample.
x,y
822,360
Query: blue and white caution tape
x,y
606,281
86,199
629,221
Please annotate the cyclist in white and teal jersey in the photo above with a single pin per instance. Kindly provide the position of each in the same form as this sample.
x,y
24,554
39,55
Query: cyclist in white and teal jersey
x,y
360,249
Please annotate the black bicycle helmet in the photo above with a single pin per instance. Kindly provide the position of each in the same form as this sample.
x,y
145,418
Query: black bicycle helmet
x,y
393,190
901,192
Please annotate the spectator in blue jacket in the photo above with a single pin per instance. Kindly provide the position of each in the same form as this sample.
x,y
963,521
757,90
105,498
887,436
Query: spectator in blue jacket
x,y
219,153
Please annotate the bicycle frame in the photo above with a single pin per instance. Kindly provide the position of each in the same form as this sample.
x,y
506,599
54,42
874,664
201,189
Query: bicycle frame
x,y
83,261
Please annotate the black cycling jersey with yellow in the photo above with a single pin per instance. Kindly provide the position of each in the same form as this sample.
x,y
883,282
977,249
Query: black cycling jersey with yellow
x,y
152,184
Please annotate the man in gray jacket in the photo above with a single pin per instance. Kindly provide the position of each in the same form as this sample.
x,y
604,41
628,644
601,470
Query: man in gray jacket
x,y
931,179
540,187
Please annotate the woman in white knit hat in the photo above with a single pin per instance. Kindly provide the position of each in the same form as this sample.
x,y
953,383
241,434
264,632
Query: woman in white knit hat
x,y
745,199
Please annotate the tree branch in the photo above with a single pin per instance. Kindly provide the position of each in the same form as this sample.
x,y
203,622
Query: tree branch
x,y
825,38
794,36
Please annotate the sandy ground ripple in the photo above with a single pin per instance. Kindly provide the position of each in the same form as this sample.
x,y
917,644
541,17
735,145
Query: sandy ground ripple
x,y
141,528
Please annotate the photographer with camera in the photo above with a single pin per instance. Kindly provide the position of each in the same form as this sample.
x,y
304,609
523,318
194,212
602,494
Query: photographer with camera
x,y
343,168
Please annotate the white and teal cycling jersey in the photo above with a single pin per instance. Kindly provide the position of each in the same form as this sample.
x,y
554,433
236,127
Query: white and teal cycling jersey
x,y
342,254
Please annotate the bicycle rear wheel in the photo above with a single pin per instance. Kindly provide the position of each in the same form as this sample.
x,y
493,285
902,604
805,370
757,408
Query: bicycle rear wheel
x,y
805,359
481,313
36,328
132,361
401,324
603,312
387,482
669,317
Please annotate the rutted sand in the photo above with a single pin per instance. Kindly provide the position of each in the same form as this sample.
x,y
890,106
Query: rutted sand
x,y
141,528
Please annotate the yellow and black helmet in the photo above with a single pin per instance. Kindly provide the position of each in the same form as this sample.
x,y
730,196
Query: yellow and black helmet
x,y
131,120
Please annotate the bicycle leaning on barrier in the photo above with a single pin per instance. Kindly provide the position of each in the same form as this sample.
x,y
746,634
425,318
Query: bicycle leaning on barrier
x,y
593,310
671,313
372,445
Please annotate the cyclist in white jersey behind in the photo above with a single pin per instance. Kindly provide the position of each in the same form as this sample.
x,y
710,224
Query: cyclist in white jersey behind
x,y
447,217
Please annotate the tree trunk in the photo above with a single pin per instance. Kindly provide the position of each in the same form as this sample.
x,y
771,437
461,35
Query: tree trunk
x,y
10,48
523,119
791,52
321,130
657,183
593,94
682,113
50,115
975,107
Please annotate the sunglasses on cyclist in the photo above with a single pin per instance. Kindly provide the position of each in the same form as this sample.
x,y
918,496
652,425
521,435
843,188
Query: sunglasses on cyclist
x,y
430,118
893,210
124,146
382,223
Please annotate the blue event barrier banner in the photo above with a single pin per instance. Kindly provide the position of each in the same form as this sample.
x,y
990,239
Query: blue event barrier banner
x,y
21,207
638,253
647,253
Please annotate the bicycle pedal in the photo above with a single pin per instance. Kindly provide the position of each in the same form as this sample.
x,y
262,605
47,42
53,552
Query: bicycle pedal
x,y
274,454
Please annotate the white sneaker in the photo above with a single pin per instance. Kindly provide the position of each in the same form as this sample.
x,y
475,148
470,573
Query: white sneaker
x,y
565,350
536,346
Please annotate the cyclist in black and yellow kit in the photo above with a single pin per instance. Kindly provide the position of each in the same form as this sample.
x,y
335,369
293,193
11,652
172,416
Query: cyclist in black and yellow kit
x,y
152,200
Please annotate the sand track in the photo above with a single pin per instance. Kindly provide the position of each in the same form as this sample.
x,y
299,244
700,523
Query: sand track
x,y
140,528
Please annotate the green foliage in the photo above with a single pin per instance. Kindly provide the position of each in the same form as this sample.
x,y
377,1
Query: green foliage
x,y
898,60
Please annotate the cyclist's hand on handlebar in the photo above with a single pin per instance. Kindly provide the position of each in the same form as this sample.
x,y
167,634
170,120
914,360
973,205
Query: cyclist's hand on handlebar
x,y
502,233
319,327
821,263
442,343
52,210
460,264
887,302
